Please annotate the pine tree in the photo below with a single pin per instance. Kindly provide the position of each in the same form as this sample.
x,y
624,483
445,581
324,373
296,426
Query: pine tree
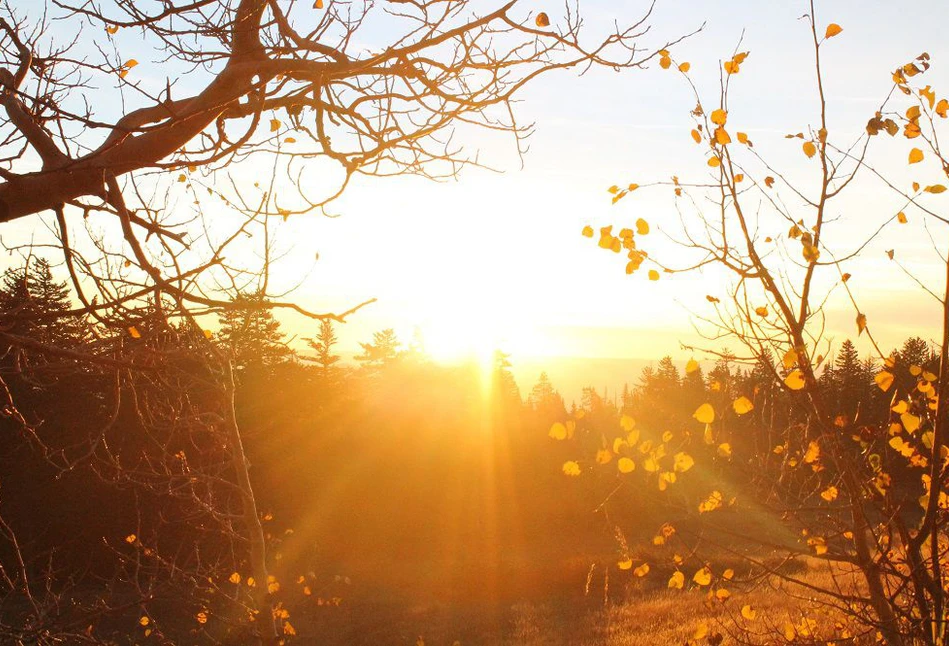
x,y
35,306
252,334
383,351
545,400
323,344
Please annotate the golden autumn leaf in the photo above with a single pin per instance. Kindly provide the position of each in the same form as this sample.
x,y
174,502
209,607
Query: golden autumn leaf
x,y
719,117
829,494
749,613
861,323
696,137
235,578
625,564
274,125
743,405
627,423
691,366
884,380
131,538
762,311
642,227
809,148
812,454
571,468
676,581
769,181
587,231
542,20
653,274
642,570
202,617
684,67
915,156
704,414
625,465
703,576
728,574
683,462
901,217
143,621
910,422
701,632
665,62
795,380
603,456
558,431
832,30
112,29
722,137
725,450
134,333
318,4
935,189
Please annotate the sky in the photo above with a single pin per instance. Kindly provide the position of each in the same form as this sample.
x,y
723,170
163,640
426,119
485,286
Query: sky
x,y
501,254
497,259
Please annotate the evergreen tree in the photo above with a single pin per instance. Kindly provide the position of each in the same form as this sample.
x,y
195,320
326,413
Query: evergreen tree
x,y
383,351
323,344
504,386
34,305
252,334
545,400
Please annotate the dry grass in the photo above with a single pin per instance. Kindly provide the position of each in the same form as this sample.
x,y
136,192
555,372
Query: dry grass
x,y
637,616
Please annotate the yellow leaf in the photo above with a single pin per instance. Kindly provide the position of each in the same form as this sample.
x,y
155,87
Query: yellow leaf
x,y
901,217
861,323
731,67
642,570
714,162
743,405
318,4
684,67
722,594
703,576
603,456
790,358
587,231
653,274
625,465
761,311
696,136
832,30
910,422
900,407
795,380
742,138
112,29
829,494
682,462
642,227
208,334
288,629
274,125
809,148
915,156
134,333
542,20
625,564
936,188
700,632
131,538
676,581
202,617
739,178
749,613
627,423
813,452
705,414
719,117
251,582
728,574
884,380
558,431
665,62
725,450
143,620
571,468
235,578
721,136
691,366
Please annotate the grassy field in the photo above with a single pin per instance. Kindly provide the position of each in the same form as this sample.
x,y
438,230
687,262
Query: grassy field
x,y
629,613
